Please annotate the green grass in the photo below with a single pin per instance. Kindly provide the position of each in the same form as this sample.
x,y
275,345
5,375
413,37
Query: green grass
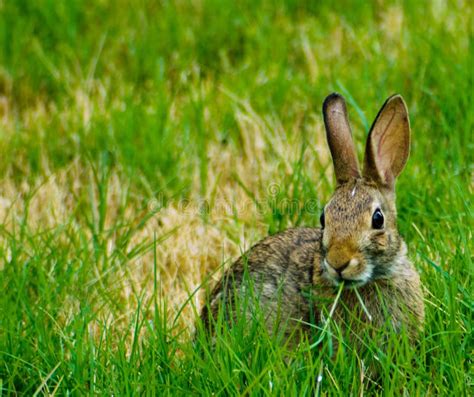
x,y
113,112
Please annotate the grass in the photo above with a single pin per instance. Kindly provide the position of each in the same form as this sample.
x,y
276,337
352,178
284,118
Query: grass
x,y
146,144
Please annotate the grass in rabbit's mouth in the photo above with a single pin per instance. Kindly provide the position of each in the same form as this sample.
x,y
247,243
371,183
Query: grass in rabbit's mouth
x,y
144,146
362,304
352,284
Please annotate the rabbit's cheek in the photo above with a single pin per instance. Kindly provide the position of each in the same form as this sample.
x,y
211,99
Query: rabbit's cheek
x,y
359,270
354,269
329,273
361,274
380,241
329,269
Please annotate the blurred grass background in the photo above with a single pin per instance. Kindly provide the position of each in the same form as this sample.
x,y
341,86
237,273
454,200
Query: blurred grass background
x,y
115,114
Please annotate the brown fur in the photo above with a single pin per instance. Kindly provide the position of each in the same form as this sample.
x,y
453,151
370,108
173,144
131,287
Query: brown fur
x,y
296,272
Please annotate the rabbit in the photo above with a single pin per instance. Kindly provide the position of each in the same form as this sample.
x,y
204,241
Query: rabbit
x,y
356,253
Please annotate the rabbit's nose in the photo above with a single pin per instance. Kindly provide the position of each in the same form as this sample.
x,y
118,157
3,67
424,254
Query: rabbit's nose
x,y
340,268
339,257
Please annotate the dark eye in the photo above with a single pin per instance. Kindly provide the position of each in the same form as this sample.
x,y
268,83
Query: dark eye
x,y
377,219
321,219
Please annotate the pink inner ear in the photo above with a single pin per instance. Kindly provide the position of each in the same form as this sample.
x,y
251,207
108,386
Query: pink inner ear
x,y
386,150
384,136
389,143
393,146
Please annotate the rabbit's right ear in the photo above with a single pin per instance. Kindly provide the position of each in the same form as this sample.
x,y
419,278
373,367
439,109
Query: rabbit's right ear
x,y
339,136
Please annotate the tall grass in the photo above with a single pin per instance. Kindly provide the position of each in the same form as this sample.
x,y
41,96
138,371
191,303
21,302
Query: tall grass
x,y
146,144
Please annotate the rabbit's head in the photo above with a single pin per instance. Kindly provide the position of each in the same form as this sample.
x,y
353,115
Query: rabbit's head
x,y
360,238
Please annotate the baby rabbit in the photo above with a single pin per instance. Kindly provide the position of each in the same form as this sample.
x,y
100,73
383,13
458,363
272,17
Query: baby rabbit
x,y
358,245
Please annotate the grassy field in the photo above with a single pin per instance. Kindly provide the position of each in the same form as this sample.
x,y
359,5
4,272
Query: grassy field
x,y
146,144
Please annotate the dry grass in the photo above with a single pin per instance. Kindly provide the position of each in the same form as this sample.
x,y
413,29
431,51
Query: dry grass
x,y
202,233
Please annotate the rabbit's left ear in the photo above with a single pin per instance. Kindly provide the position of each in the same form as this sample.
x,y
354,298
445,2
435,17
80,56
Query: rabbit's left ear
x,y
388,143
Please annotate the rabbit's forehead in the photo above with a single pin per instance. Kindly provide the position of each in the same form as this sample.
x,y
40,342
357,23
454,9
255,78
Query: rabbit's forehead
x,y
353,201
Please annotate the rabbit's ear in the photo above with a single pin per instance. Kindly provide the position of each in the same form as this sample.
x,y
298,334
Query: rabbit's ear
x,y
388,143
339,138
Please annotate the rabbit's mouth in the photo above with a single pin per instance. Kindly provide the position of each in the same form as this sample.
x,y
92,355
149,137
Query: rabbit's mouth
x,y
357,273
352,283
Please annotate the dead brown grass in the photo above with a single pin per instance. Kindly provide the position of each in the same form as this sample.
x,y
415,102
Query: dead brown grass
x,y
196,245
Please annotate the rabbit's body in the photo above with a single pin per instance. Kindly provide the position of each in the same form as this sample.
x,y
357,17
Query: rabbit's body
x,y
289,283
295,274
282,291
